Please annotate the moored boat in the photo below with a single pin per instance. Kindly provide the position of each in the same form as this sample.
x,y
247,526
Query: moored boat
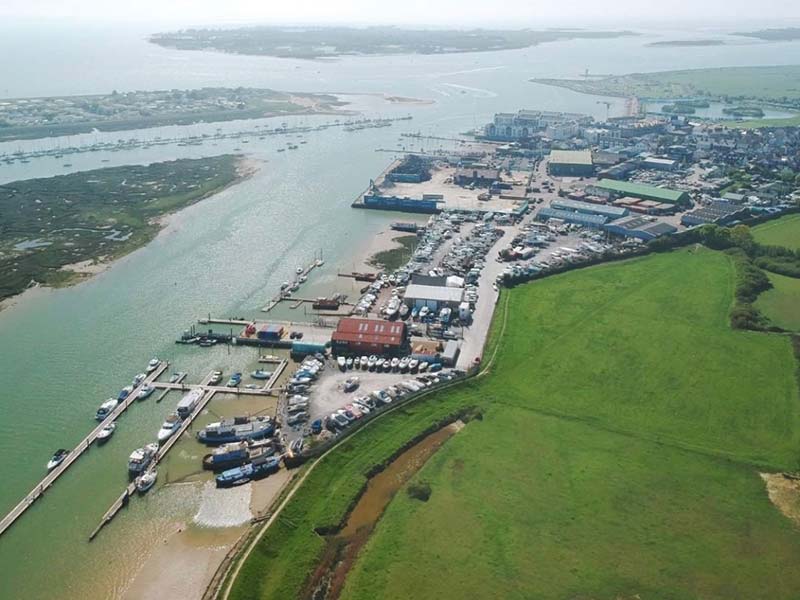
x,y
170,425
146,480
145,391
236,430
189,402
106,408
105,433
125,392
139,379
58,457
235,380
153,365
261,374
141,458
257,469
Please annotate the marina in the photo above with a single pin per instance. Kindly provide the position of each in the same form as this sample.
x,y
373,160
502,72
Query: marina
x,y
37,492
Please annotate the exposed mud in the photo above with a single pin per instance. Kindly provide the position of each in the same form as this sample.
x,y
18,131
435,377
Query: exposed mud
x,y
343,546
784,492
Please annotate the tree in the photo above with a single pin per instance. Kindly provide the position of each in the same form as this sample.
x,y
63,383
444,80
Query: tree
x,y
742,237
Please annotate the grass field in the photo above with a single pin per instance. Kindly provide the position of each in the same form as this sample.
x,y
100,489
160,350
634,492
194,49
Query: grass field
x,y
624,429
780,232
781,304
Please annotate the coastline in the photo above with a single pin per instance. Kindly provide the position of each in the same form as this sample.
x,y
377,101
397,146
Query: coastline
x,y
87,269
188,560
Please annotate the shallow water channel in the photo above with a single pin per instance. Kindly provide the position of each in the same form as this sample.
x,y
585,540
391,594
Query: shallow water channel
x,y
343,547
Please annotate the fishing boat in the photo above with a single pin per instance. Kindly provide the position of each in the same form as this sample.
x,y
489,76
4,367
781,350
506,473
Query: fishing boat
x,y
105,433
106,409
141,458
170,425
257,469
235,380
125,392
146,480
153,365
261,374
58,457
145,391
236,430
189,402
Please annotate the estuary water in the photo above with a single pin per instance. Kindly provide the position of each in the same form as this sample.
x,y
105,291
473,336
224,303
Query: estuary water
x,y
62,352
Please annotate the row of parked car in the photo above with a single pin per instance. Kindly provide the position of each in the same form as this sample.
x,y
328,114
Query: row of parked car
x,y
298,387
361,406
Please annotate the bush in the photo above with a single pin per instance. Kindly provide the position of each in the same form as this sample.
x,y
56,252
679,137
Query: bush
x,y
420,490
782,265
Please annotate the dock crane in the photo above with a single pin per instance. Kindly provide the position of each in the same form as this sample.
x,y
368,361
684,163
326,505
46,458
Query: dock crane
x,y
608,106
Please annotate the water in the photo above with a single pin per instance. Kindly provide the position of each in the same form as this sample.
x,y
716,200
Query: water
x,y
62,352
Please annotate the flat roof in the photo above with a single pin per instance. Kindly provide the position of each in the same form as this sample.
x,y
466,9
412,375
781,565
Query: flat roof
x,y
640,189
369,331
571,157
574,217
439,293
589,207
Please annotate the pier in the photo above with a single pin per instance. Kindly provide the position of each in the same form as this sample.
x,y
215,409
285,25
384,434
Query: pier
x,y
286,294
130,490
38,491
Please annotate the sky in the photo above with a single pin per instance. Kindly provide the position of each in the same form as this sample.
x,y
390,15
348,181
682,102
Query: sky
x,y
454,13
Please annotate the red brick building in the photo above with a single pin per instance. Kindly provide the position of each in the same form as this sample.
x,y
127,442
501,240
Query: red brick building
x,y
369,336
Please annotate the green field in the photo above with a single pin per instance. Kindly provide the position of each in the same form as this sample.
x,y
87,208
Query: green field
x,y
625,424
780,232
781,304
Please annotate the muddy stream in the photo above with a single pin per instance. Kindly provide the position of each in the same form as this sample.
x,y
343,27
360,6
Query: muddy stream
x,y
343,547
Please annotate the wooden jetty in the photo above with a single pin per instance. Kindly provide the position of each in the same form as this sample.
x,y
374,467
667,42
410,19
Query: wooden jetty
x,y
38,491
285,294
129,491
166,391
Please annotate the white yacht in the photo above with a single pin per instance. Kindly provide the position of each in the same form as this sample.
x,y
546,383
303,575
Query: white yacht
x,y
146,480
170,425
153,365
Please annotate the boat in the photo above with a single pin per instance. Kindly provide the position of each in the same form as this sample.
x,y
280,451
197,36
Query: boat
x,y
125,392
106,408
395,363
235,380
413,364
236,430
299,270
216,377
325,304
371,362
145,391
153,365
364,363
236,454
349,363
170,425
319,262
58,457
189,402
351,384
105,433
403,364
206,342
423,366
261,374
341,362
256,469
146,480
141,458
137,381
175,377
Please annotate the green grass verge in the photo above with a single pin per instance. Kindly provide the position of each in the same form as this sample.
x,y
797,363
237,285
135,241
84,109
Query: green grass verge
x,y
761,123
780,232
781,304
624,419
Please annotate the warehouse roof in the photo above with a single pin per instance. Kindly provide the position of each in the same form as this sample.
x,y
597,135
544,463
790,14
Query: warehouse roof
x,y
434,292
641,189
613,212
572,217
369,331
571,157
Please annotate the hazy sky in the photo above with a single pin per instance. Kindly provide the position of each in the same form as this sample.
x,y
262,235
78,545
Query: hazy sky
x,y
508,13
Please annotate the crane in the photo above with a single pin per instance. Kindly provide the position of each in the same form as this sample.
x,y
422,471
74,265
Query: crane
x,y
608,106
